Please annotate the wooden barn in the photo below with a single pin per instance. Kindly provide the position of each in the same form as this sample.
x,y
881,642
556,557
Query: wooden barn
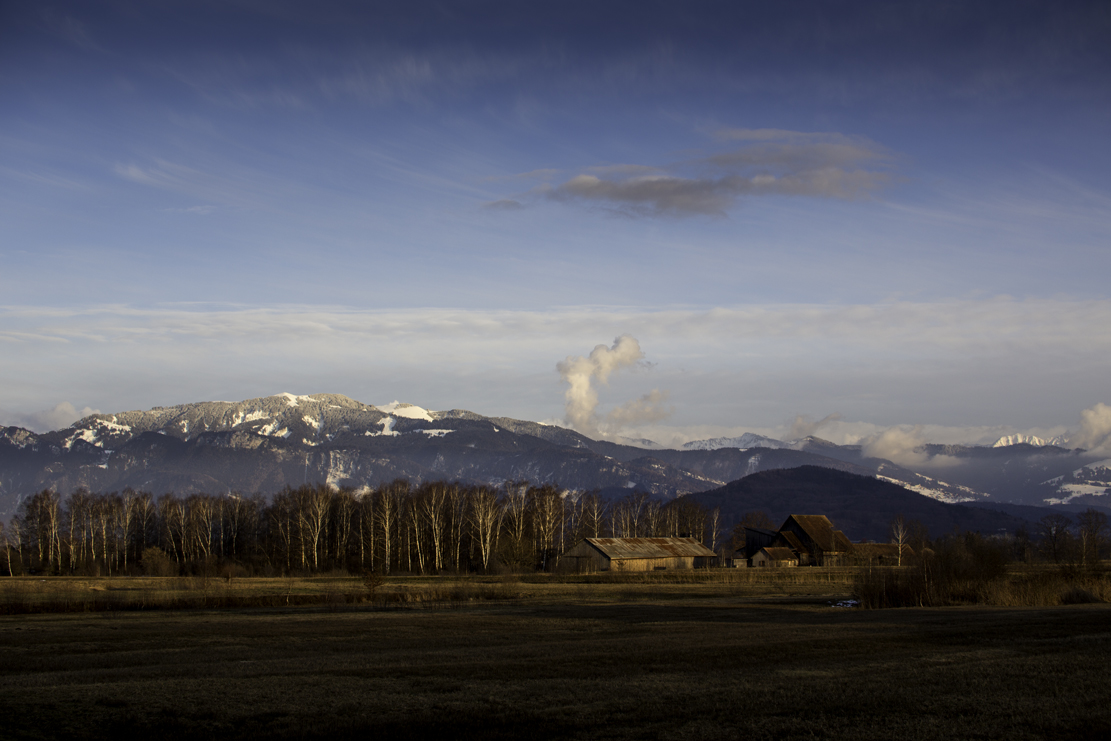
x,y
817,542
775,557
635,554
811,539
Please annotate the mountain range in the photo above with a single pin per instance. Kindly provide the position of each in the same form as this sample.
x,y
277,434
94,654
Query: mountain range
x,y
264,444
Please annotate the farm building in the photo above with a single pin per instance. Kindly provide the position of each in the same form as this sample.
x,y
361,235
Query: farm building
x,y
810,538
635,554
816,540
777,557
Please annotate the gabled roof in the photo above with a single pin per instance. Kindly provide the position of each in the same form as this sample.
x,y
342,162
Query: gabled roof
x,y
650,547
820,531
780,554
790,540
762,531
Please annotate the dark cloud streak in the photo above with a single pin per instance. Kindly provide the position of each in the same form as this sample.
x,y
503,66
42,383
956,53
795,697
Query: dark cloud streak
x,y
800,164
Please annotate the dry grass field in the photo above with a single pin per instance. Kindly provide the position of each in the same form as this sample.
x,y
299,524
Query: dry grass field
x,y
23,595
705,658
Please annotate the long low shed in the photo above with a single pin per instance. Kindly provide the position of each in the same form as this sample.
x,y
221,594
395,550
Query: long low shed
x,y
636,554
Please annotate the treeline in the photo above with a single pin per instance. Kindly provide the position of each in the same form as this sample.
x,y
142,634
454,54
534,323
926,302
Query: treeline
x,y
1056,538
969,568
428,528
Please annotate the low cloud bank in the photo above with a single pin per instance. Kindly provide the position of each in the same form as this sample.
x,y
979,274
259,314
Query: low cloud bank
x,y
904,446
1095,430
62,415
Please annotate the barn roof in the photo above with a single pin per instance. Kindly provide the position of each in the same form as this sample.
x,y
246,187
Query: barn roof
x,y
820,531
650,547
761,530
776,553
792,541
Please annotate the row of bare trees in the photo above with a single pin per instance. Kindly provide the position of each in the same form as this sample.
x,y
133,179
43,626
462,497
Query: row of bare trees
x,y
398,527
1082,540
1085,540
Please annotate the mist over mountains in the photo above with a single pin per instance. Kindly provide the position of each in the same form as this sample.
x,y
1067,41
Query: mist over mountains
x,y
263,445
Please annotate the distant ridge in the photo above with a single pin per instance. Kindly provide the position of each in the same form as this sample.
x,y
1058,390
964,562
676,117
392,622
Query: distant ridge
x,y
744,442
861,506
1037,442
265,444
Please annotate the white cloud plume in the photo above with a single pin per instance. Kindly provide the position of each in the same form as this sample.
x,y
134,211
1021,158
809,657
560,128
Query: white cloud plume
x,y
1095,430
62,415
581,397
805,426
898,445
905,446
645,410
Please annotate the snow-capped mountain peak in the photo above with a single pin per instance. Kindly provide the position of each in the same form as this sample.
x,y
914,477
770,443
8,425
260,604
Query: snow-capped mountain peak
x,y
1034,440
401,409
745,441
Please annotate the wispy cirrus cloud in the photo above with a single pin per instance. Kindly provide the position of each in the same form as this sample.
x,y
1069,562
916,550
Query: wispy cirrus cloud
x,y
69,29
958,325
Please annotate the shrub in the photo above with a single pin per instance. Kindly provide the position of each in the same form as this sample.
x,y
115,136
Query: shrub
x,y
157,563
958,569
373,581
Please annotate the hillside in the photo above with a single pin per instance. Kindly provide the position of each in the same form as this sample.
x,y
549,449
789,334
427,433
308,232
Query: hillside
x,y
265,444
862,506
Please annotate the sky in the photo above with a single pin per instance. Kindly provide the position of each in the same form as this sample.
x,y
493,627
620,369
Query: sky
x,y
880,215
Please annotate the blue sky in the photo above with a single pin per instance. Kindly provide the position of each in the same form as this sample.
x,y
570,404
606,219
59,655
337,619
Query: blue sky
x,y
898,213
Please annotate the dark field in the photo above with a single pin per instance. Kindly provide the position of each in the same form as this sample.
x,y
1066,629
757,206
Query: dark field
x,y
702,668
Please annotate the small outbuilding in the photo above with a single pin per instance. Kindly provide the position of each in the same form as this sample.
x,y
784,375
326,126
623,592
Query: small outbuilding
x,y
636,554
775,557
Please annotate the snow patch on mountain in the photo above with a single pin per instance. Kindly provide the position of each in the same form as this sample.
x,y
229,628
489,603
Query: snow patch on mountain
x,y
88,436
271,430
940,495
1021,439
639,442
111,425
242,418
436,433
19,437
1091,479
292,399
408,411
745,441
1072,491
387,429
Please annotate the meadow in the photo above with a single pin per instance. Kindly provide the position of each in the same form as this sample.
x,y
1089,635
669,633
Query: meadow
x,y
699,656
